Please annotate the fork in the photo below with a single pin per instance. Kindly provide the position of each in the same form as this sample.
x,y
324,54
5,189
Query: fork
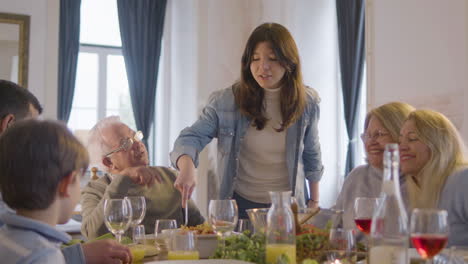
x,y
186,213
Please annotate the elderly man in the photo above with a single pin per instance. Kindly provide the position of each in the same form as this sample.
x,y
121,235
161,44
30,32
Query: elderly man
x,y
17,103
118,150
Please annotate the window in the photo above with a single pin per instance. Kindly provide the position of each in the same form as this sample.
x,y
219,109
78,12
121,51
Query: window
x,y
101,87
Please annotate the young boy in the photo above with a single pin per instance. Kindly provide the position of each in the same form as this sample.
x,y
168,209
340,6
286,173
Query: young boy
x,y
41,163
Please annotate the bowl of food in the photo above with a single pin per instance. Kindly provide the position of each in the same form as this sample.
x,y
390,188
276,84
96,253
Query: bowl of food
x,y
207,240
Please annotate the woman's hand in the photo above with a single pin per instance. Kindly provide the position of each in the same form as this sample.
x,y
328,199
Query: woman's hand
x,y
312,204
185,181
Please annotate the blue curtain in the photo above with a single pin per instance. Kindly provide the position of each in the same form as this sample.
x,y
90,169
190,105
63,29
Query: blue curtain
x,y
350,15
69,44
141,28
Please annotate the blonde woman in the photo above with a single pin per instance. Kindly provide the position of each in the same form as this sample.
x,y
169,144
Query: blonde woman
x,y
434,164
381,127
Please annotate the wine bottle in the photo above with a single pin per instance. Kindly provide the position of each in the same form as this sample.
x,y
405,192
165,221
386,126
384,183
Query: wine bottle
x,y
389,228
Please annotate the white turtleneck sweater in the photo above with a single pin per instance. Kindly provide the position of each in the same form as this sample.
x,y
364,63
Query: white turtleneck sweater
x,y
262,158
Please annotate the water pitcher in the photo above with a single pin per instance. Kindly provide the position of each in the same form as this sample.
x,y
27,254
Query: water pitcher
x,y
280,234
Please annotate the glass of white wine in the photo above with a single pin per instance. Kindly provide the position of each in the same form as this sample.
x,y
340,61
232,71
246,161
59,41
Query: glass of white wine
x,y
117,216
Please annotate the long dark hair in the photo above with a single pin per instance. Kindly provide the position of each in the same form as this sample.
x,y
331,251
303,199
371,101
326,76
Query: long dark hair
x,y
249,95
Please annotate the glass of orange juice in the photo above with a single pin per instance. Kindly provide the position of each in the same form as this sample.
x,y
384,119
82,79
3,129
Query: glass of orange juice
x,y
182,246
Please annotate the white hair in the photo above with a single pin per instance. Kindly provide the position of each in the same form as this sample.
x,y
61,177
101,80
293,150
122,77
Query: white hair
x,y
97,147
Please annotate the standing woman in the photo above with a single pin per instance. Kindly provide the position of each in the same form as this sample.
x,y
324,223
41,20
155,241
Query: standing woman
x,y
435,168
266,126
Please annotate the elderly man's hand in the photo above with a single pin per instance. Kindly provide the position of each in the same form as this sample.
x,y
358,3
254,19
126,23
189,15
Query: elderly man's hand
x,y
142,175
106,251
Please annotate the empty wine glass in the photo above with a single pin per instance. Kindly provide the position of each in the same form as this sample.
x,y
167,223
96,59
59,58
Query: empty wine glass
x,y
429,232
222,216
341,245
138,204
117,216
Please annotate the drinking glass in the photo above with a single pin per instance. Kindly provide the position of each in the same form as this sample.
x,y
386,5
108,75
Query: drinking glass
x,y
363,210
341,245
429,232
138,204
182,246
162,224
161,237
243,225
139,236
222,216
117,216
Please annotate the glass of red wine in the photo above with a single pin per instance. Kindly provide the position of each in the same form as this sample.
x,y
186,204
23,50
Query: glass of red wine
x,y
429,232
363,210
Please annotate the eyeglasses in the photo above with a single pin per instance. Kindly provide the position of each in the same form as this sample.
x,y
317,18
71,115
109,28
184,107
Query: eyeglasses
x,y
375,136
127,143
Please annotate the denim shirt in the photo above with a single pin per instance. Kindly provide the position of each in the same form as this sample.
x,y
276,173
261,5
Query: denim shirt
x,y
222,119
24,240
73,254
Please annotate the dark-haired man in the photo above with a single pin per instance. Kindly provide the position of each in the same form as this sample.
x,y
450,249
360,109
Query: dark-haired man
x,y
17,103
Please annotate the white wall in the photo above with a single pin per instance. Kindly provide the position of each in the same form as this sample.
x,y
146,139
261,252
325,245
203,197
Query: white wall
x,y
43,48
417,52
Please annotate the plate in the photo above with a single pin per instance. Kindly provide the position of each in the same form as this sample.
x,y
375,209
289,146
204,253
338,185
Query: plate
x,y
202,261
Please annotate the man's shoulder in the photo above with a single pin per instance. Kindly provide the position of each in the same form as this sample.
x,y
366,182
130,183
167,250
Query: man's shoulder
x,y
98,184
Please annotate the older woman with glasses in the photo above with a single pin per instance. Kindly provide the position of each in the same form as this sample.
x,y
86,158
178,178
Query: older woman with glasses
x,y
381,127
435,166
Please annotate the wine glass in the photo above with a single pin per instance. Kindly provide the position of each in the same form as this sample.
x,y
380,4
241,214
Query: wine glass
x,y
138,204
363,210
429,232
222,216
341,245
117,216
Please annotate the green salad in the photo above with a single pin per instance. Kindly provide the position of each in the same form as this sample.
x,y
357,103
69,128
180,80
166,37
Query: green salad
x,y
311,245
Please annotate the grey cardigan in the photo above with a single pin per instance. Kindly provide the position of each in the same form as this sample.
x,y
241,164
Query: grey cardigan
x,y
454,199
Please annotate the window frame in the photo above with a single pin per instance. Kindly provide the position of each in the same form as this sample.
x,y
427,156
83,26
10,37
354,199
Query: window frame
x,y
102,52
